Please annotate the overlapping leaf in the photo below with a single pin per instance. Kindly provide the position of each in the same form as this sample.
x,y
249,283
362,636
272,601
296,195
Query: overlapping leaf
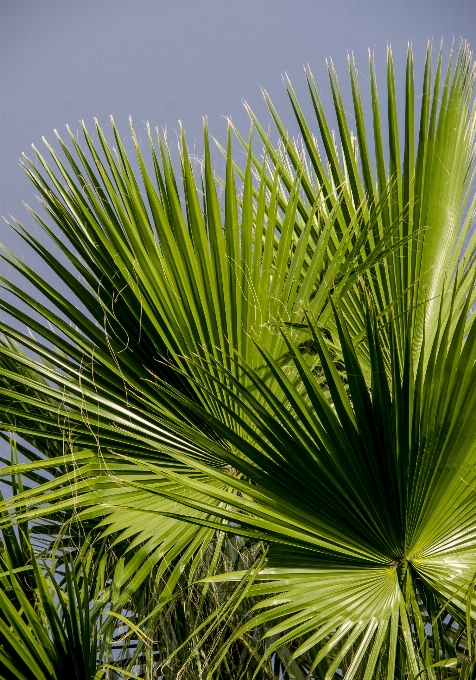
x,y
168,400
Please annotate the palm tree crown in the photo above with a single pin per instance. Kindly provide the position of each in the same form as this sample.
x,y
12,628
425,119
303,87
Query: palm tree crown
x,y
263,398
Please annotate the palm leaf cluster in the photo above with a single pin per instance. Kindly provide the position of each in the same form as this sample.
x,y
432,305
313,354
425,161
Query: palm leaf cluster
x,y
244,406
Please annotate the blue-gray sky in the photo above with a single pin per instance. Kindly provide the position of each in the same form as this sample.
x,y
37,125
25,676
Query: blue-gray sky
x,y
162,60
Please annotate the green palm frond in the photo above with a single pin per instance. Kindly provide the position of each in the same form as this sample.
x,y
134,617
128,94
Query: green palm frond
x,y
51,622
368,504
431,190
290,360
155,288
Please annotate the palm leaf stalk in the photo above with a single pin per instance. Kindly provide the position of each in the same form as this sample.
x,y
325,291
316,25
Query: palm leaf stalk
x,y
239,365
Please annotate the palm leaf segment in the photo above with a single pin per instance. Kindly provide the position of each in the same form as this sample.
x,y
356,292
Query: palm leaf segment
x,y
427,194
161,284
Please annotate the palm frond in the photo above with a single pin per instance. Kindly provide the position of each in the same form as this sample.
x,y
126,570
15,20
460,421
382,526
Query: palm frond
x,y
290,361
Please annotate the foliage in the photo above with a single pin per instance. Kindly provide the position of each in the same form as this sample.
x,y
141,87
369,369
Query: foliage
x,y
252,410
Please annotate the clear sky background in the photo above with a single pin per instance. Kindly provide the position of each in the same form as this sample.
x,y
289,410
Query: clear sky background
x,y
164,60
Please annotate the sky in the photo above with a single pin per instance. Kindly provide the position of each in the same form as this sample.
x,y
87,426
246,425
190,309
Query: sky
x,y
165,60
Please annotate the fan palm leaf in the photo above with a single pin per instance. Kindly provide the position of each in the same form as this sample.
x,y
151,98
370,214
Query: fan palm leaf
x,y
88,383
291,361
368,507
433,183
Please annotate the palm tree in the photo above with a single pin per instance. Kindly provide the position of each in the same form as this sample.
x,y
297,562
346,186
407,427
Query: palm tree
x,y
281,373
